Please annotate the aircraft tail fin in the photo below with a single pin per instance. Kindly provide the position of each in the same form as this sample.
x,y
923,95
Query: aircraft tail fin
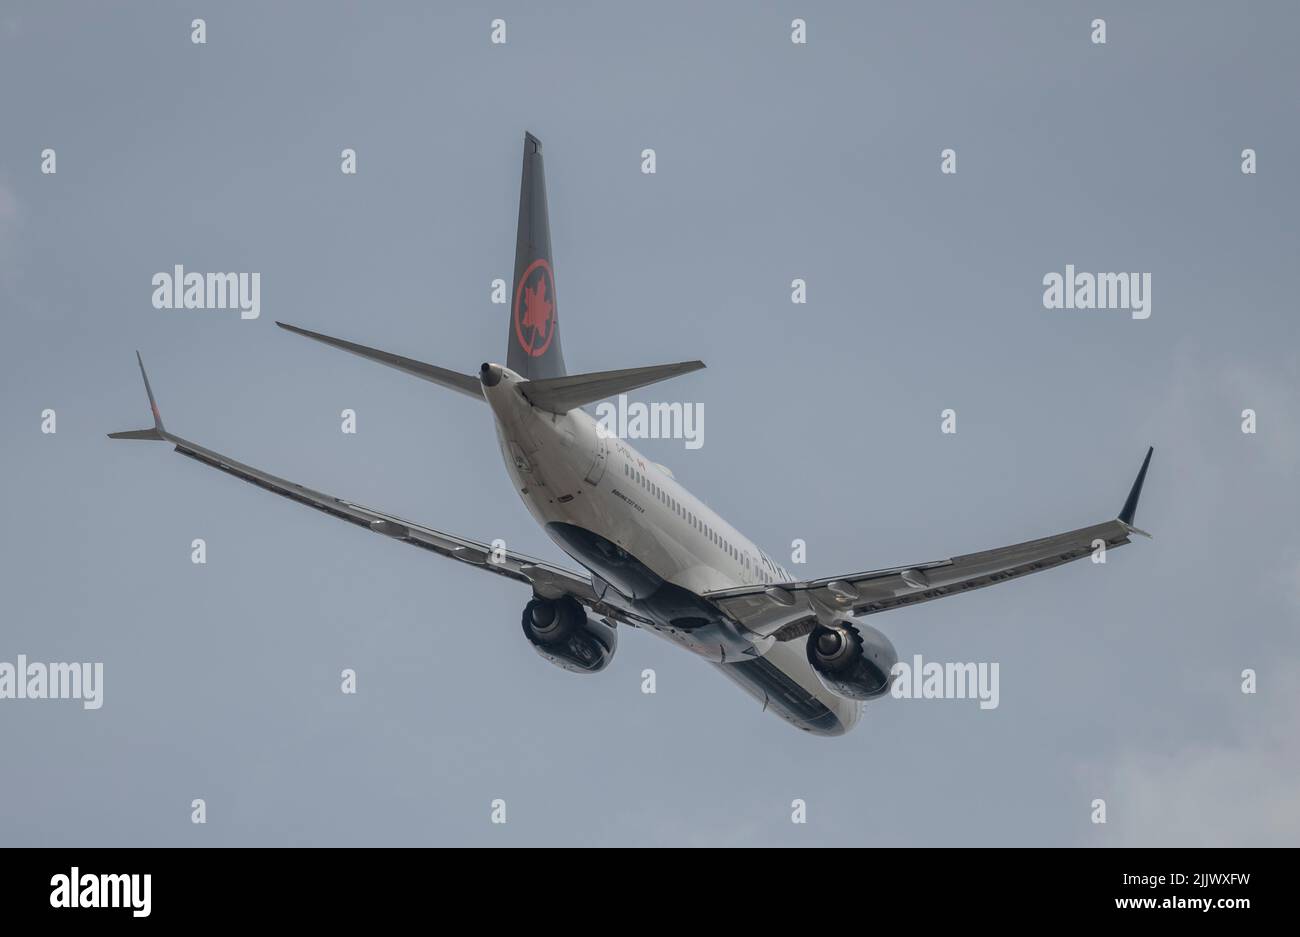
x,y
534,336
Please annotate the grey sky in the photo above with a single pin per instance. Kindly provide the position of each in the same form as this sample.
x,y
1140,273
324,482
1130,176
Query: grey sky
x,y
1119,681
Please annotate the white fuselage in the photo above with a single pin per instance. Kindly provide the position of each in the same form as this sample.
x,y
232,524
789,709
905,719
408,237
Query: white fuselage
x,y
569,473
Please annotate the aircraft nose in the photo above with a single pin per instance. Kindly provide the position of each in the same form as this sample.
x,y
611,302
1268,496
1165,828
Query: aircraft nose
x,y
489,374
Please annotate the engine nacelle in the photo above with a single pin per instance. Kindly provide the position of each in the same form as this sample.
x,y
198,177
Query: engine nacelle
x,y
852,659
561,631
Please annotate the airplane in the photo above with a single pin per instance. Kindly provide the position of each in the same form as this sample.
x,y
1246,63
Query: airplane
x,y
652,555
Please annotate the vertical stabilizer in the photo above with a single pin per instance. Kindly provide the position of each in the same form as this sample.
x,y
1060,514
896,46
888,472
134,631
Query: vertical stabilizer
x,y
534,339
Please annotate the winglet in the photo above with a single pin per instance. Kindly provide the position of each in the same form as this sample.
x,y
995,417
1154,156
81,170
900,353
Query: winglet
x,y
158,432
1127,513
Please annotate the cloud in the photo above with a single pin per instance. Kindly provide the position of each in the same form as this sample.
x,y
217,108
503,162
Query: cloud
x,y
1241,792
1231,778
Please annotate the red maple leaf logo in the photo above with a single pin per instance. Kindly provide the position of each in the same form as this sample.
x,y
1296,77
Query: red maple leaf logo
x,y
537,308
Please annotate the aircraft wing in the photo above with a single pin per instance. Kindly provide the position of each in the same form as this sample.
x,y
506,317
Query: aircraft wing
x,y
789,610
546,579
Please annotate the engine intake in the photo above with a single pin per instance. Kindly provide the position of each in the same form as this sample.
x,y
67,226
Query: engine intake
x,y
562,632
852,659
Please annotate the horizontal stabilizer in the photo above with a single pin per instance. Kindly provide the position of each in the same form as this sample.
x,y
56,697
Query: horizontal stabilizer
x,y
139,434
562,394
465,383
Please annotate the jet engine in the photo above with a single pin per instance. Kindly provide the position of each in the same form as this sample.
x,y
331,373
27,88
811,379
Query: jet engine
x,y
561,631
852,659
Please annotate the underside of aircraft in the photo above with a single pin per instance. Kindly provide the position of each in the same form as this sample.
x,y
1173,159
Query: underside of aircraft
x,y
652,556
